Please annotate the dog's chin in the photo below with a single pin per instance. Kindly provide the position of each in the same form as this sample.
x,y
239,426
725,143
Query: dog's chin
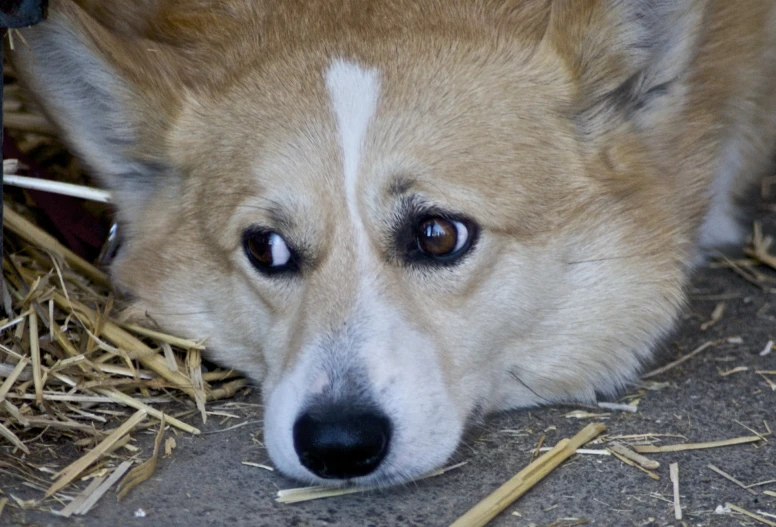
x,y
379,479
392,471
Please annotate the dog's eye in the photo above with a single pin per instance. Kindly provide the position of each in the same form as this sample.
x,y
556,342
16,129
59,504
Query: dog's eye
x,y
268,251
442,238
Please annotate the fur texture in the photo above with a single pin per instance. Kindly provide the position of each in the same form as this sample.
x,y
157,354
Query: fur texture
x,y
596,145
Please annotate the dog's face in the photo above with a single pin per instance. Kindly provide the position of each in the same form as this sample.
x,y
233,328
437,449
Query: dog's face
x,y
391,237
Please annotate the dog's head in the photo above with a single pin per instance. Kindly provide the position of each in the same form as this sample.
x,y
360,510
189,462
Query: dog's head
x,y
395,218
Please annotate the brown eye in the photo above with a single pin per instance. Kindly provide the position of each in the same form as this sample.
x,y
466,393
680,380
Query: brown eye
x,y
440,237
267,251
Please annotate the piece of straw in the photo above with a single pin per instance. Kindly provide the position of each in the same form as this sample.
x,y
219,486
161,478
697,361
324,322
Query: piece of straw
x,y
680,360
58,187
122,339
123,398
523,481
583,451
63,397
716,315
635,465
314,493
11,379
618,406
258,465
219,375
652,449
752,515
538,450
737,369
226,390
770,383
169,356
6,324
145,469
10,436
95,496
761,483
674,472
74,469
14,412
37,378
633,456
731,478
169,445
164,337
28,122
78,500
194,366
17,224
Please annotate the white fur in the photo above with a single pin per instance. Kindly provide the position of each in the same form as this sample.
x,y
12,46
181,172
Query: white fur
x,y
353,92
403,367
282,406
404,377
720,226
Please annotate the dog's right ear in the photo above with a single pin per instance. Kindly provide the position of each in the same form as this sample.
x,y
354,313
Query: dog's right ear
x,y
113,97
629,58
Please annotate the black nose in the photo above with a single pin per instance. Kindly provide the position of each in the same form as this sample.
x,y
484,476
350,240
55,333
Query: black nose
x,y
341,441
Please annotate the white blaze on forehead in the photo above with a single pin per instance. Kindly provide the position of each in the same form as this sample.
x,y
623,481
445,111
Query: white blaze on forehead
x,y
353,92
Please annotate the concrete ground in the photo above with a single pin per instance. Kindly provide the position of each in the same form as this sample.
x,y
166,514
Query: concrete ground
x,y
205,483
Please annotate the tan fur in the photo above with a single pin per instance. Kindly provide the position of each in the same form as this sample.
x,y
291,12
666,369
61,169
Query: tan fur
x,y
538,119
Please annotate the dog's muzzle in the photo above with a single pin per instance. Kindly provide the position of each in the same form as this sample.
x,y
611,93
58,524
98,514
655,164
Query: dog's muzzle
x,y
340,440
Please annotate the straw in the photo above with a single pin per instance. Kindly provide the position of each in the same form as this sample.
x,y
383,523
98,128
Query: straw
x,y
524,480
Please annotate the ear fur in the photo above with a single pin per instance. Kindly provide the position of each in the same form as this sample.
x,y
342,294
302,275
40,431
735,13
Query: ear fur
x,y
112,97
628,57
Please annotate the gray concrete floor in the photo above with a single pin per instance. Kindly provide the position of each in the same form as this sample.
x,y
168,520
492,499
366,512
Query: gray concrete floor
x,y
205,483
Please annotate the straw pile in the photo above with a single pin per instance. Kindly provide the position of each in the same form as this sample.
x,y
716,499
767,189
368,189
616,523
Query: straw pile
x,y
71,368
72,372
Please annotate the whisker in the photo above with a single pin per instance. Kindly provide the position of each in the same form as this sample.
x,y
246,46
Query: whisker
x,y
593,260
254,207
518,379
179,314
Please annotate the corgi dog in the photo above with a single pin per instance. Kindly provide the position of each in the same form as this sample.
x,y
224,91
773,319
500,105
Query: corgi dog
x,y
400,215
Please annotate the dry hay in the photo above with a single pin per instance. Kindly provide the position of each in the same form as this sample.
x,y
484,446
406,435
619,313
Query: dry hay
x,y
74,377
71,367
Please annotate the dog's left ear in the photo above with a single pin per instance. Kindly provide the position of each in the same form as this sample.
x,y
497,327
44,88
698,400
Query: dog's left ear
x,y
627,57
113,97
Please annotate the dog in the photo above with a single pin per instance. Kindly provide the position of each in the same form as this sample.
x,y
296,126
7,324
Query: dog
x,y
398,216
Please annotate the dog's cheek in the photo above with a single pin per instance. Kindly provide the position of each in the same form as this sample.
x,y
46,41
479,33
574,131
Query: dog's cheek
x,y
178,288
619,293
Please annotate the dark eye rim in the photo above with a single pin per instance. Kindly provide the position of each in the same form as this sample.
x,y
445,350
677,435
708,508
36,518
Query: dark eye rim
x,y
417,257
290,268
